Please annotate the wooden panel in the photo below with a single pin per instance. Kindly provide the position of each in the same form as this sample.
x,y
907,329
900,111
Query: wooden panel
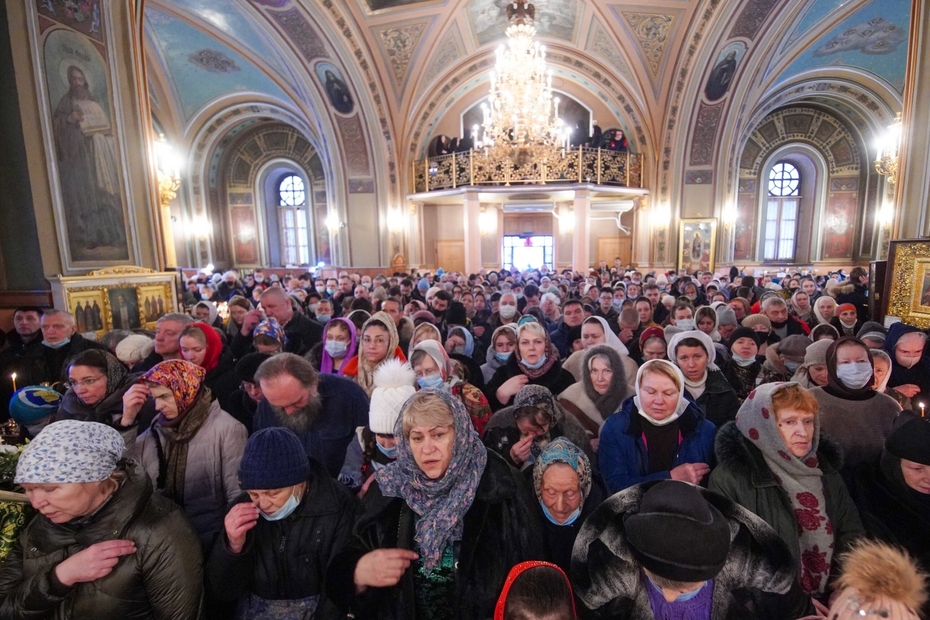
x,y
609,248
450,254
534,224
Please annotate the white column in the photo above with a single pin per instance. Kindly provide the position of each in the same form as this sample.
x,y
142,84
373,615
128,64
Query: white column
x,y
581,248
472,215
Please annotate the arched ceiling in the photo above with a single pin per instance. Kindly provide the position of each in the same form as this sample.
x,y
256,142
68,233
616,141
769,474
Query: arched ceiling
x,y
645,62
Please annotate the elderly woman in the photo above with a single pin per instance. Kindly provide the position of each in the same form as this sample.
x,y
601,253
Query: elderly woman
x,y
94,509
535,361
600,392
288,497
694,353
521,432
774,461
97,384
853,414
379,344
206,312
568,491
433,369
595,330
442,525
657,434
460,345
824,309
192,450
910,367
881,363
503,342
652,343
269,337
824,331
200,344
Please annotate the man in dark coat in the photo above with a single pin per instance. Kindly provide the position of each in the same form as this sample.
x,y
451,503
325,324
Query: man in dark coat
x,y
572,316
302,332
25,339
605,309
60,343
783,324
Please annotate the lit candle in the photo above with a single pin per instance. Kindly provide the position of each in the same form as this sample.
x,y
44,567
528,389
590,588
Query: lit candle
x,y
13,377
922,409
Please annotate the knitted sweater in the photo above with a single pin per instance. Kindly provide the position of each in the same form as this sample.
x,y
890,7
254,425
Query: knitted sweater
x,y
860,427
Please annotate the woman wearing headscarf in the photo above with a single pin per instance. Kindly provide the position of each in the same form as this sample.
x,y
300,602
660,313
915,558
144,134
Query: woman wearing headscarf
x,y
774,461
460,345
239,306
694,353
910,366
423,331
853,414
269,337
813,372
503,342
192,450
824,309
103,545
536,590
657,434
206,312
567,491
881,363
535,361
200,344
442,525
521,432
98,382
601,391
595,330
379,343
339,346
433,369
800,307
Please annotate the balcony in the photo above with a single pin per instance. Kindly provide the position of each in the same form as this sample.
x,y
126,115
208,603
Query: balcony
x,y
477,168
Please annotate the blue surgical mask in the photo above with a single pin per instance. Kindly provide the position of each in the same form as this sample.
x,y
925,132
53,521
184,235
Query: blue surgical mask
x,y
391,453
855,375
685,596
792,366
323,318
503,357
537,365
336,349
744,361
458,350
431,381
282,513
56,345
519,296
571,518
330,291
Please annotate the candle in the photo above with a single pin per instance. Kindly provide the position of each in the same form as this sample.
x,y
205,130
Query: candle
x,y
922,410
13,377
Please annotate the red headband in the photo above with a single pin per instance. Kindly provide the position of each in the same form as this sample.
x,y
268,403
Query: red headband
x,y
515,572
846,308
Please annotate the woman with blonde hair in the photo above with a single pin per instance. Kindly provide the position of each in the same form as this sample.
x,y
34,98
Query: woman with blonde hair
x,y
379,343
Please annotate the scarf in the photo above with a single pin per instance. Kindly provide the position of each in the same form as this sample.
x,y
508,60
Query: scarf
x,y
272,329
326,360
515,573
183,379
802,315
820,319
469,340
900,375
214,346
366,371
172,457
442,361
611,338
209,305
440,504
539,397
802,480
915,500
682,401
116,372
609,402
561,450
836,387
552,356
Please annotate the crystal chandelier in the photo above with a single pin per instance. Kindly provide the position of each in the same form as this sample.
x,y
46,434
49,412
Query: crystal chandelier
x,y
522,115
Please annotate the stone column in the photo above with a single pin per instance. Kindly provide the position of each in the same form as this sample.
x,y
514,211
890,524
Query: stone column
x,y
581,249
472,214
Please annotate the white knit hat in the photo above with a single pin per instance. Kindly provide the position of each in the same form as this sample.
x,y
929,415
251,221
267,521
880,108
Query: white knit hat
x,y
133,349
394,383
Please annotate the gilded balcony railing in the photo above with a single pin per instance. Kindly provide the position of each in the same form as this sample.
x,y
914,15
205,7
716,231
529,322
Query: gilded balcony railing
x,y
579,165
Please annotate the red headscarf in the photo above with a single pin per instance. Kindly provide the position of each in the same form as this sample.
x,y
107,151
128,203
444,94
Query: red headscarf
x,y
515,572
214,346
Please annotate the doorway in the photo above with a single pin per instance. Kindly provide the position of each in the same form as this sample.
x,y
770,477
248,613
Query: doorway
x,y
524,252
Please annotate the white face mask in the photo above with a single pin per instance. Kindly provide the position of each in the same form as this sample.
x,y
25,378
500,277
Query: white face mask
x,y
508,311
854,375
686,324
908,362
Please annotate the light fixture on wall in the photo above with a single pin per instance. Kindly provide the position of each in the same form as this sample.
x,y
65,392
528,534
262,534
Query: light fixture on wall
x,y
487,221
661,214
887,161
333,223
168,170
728,216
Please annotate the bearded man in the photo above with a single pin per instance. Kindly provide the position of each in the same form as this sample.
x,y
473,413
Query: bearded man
x,y
324,411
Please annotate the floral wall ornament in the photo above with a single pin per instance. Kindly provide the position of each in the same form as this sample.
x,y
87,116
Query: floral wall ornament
x,y
213,61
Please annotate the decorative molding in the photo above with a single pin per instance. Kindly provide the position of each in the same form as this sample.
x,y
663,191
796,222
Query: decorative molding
x,y
699,177
361,186
705,135
301,33
400,44
752,17
603,43
651,32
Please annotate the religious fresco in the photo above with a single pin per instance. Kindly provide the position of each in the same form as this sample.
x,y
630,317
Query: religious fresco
x,y
554,18
336,89
873,39
378,5
745,218
81,15
201,67
724,68
839,222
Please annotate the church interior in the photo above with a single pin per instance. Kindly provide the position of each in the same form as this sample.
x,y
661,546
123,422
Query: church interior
x,y
699,134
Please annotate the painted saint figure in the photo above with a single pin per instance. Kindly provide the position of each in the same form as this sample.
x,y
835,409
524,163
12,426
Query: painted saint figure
x,y
338,93
719,82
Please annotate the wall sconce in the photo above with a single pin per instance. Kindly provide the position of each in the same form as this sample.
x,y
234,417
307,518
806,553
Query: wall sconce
x,y
887,162
201,227
661,214
885,215
728,216
487,221
168,163
333,223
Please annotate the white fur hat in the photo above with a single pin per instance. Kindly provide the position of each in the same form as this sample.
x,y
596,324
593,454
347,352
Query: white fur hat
x,y
133,349
394,383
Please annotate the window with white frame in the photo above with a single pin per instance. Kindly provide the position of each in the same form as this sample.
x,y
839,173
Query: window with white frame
x,y
292,220
781,212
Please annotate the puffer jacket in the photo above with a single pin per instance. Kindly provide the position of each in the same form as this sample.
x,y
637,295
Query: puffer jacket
x,y
162,580
287,559
211,480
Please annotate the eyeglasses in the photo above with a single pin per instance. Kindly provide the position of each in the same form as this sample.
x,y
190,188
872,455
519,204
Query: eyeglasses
x,y
86,383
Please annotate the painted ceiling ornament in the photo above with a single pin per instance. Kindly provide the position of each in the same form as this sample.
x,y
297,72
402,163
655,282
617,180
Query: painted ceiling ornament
x,y
876,36
213,61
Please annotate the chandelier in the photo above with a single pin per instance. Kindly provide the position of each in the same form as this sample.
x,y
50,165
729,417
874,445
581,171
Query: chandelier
x,y
522,121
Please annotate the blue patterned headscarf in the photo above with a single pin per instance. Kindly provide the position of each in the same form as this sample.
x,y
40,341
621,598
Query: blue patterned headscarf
x,y
271,328
441,504
70,451
563,451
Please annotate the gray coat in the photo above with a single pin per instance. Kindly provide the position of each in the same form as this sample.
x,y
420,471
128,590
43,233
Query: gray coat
x,y
211,481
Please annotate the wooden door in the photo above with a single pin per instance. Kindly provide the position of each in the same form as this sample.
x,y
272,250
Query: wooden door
x,y
609,248
450,254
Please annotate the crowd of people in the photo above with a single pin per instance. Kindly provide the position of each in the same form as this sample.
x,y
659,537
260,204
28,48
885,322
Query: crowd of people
x,y
515,445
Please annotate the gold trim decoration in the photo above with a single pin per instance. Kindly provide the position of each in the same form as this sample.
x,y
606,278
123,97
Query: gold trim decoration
x,y
909,297
120,271
697,231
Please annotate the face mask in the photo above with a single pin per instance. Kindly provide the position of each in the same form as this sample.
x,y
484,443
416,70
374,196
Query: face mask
x,y
686,324
502,357
323,318
537,365
391,453
507,312
458,350
780,324
571,518
56,345
792,366
336,349
848,325
330,291
691,297
259,279
617,303
281,513
908,362
313,307
431,381
743,361
205,296
855,375
519,296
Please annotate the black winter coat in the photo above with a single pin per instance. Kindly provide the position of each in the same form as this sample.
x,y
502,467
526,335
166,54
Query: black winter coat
x,y
556,379
222,380
287,559
162,580
109,410
302,334
719,401
501,530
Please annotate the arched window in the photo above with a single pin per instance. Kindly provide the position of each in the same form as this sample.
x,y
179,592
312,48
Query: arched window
x,y
781,213
292,220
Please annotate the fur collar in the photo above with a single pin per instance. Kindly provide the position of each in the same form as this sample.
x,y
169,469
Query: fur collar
x,y
844,288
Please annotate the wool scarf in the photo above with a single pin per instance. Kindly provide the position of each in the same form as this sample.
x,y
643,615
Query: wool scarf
x,y
172,456
802,480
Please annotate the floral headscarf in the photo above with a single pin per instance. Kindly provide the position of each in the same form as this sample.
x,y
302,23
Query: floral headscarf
x,y
441,359
182,378
326,360
441,504
561,450
541,398
801,479
271,328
